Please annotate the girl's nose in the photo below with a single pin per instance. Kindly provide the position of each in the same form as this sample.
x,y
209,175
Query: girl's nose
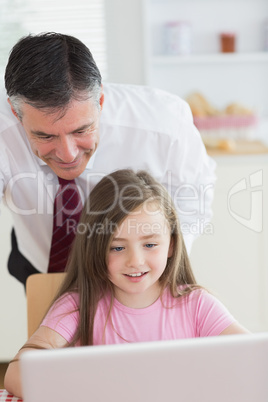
x,y
135,259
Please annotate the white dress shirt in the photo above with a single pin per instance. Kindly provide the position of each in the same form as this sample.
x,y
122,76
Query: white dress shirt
x,y
141,128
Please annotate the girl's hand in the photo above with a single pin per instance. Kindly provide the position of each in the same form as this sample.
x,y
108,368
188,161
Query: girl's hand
x,y
43,338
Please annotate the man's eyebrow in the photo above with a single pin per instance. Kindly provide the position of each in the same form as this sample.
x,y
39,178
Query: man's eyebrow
x,y
150,236
82,128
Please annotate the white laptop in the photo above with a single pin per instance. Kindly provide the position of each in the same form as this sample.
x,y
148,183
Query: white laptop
x,y
230,368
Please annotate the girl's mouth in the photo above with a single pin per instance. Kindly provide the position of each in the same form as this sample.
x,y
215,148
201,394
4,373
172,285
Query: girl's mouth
x,y
137,274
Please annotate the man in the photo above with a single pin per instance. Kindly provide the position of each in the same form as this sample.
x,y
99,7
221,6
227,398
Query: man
x,y
66,125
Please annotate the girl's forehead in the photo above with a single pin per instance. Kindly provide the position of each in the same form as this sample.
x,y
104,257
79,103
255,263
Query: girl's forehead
x,y
144,221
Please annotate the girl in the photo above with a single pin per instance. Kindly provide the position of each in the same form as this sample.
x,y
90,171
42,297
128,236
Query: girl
x,y
128,278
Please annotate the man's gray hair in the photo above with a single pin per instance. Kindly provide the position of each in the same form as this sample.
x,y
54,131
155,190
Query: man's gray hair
x,y
50,70
18,100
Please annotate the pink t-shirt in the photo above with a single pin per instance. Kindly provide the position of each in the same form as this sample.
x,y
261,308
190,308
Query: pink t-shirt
x,y
199,314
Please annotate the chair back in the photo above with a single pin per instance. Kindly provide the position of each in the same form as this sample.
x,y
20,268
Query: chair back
x,y
40,291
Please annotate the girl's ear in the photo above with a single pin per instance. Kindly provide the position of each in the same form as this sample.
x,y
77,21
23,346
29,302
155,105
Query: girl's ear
x,y
170,250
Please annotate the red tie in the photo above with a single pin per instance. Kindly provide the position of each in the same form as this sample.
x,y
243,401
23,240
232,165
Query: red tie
x,y
67,210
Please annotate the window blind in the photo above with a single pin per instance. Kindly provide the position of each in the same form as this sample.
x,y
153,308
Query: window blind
x,y
84,19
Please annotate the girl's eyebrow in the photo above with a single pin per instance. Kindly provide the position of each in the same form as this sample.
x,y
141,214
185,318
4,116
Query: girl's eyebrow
x,y
150,236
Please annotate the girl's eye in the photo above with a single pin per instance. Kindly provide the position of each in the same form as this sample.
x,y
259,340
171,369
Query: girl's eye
x,y
150,245
117,248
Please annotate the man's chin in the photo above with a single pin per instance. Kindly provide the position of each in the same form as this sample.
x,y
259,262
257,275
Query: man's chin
x,y
68,171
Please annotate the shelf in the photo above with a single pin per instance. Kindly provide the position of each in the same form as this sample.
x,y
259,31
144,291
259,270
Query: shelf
x,y
254,57
223,78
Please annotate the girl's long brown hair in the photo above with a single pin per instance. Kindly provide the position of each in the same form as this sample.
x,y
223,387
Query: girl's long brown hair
x,y
112,199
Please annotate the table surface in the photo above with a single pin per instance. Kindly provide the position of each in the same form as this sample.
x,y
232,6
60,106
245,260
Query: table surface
x,y
6,397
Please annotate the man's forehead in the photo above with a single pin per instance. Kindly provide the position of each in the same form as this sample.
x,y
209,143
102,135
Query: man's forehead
x,y
76,115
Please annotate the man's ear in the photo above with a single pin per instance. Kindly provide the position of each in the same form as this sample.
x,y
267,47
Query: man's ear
x,y
13,110
101,98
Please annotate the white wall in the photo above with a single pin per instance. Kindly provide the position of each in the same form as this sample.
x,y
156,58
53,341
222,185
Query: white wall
x,y
124,41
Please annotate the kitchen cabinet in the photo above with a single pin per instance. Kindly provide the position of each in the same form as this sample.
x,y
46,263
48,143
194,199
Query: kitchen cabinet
x,y
231,259
221,77
13,318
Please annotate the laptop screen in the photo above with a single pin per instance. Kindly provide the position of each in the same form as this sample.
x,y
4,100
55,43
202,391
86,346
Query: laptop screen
x,y
230,368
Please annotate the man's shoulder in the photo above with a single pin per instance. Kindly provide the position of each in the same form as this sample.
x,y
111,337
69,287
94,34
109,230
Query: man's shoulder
x,y
127,95
12,134
143,107
7,119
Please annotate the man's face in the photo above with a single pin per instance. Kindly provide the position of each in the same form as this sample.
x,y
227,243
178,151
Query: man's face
x,y
64,142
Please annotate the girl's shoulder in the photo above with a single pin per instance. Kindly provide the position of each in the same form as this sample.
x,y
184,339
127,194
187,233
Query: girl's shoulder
x,y
67,300
187,294
186,290
196,298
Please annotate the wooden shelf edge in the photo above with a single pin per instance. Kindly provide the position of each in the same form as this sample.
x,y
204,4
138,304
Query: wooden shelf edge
x,y
211,58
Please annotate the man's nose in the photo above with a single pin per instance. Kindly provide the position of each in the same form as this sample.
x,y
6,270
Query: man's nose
x,y
67,149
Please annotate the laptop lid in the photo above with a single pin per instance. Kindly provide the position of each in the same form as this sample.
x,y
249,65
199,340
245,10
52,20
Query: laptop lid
x,y
230,368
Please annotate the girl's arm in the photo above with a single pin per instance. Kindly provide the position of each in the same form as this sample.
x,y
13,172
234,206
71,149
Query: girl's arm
x,y
43,338
234,328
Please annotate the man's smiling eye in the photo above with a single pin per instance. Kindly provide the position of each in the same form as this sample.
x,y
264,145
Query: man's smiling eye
x,y
45,137
86,130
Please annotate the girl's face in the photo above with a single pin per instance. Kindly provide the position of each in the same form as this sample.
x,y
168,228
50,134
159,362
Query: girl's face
x,y
138,256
